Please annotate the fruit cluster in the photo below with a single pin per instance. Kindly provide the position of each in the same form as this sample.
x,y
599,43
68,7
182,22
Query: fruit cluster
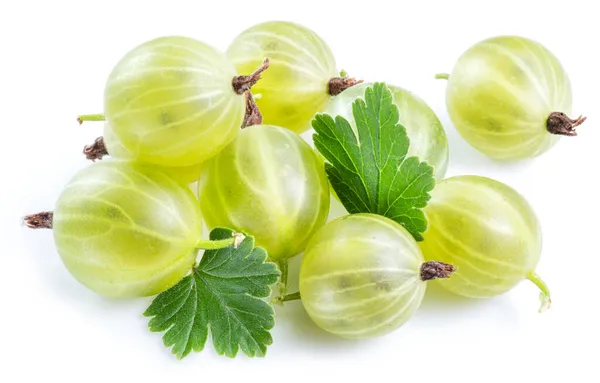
x,y
178,113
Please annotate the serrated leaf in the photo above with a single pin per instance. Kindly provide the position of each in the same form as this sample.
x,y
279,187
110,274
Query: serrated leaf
x,y
225,292
368,168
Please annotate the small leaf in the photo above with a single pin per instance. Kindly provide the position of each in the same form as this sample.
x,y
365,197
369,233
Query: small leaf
x,y
225,292
368,168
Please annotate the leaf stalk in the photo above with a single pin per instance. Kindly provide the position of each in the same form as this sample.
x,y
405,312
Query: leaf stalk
x,y
235,241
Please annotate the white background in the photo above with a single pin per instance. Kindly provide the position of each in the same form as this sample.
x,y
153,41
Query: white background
x,y
54,60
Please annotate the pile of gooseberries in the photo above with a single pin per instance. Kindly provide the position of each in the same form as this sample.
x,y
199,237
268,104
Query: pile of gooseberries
x,y
180,116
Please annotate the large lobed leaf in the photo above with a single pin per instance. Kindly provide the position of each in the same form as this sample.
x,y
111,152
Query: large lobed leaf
x,y
225,292
368,168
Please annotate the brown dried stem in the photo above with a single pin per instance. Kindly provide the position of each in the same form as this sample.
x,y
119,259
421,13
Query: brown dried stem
x,y
434,270
339,84
242,84
95,151
559,123
253,115
41,220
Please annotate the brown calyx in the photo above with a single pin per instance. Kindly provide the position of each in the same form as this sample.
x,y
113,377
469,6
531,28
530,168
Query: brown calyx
x,y
253,115
434,270
339,84
41,220
242,84
95,151
559,123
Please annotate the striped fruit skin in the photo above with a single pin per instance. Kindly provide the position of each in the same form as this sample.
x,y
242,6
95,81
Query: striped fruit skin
x,y
117,152
267,183
126,230
427,136
295,86
500,94
170,101
487,230
360,276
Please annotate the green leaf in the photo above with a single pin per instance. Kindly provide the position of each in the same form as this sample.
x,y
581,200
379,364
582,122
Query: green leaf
x,y
368,168
225,292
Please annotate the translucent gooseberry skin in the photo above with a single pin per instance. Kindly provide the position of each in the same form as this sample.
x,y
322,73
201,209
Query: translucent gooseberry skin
x,y
170,101
501,93
427,136
360,276
487,230
116,150
267,183
296,85
126,230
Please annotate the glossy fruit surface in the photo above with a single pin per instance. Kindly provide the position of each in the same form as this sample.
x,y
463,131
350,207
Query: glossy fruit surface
x,y
501,93
296,85
360,276
427,136
170,101
126,230
487,230
116,150
267,183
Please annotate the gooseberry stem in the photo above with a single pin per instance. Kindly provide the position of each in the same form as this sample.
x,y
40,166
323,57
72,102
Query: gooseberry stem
x,y
41,220
559,123
283,268
337,85
242,84
91,117
442,76
96,150
235,240
544,290
433,270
